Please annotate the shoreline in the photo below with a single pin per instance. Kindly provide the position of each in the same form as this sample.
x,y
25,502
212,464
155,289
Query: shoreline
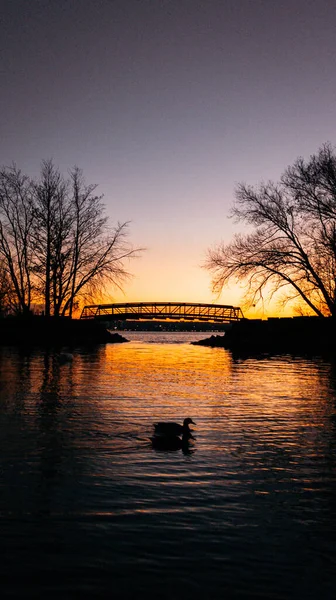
x,y
296,334
59,331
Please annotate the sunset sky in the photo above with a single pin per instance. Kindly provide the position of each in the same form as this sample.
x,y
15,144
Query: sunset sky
x,y
167,105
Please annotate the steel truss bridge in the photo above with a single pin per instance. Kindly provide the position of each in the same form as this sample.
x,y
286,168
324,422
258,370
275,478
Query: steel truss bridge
x,y
162,311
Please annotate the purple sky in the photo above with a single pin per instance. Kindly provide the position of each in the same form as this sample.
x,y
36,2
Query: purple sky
x,y
167,104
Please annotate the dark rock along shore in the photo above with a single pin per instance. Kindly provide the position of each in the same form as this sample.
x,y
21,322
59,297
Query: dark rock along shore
x,y
36,330
283,334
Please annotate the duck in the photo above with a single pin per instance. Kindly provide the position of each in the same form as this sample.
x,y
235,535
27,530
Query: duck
x,y
169,429
65,357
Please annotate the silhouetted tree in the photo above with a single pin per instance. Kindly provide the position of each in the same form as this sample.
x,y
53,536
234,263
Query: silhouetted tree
x,y
6,295
292,246
51,230
56,242
97,252
16,222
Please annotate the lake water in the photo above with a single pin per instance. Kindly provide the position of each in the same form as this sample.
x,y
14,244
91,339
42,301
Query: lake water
x,y
89,509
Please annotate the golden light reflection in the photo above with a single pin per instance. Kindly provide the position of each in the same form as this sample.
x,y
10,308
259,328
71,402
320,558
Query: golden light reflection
x,y
258,423
115,393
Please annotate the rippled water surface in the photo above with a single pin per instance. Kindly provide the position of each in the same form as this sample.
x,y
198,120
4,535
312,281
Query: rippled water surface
x,y
90,509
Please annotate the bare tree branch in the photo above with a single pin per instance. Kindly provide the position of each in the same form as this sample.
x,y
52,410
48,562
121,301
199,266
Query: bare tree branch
x,y
16,223
56,244
293,246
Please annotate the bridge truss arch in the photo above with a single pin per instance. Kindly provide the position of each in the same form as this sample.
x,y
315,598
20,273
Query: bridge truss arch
x,y
163,311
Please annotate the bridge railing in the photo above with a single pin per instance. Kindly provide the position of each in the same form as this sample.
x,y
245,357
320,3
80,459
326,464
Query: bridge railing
x,y
182,311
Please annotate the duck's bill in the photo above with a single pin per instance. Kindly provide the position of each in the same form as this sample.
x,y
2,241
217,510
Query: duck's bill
x,y
193,422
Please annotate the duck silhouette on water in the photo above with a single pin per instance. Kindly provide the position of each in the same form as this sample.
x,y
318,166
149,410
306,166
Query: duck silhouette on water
x,y
172,436
65,357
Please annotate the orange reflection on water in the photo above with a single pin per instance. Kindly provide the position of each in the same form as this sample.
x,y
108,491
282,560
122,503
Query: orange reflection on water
x,y
119,391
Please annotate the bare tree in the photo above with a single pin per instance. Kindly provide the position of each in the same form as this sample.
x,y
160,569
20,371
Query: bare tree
x,y
98,252
6,295
292,246
16,222
49,219
56,242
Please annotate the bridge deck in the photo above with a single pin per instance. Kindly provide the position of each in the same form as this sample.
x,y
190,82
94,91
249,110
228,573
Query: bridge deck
x,y
181,311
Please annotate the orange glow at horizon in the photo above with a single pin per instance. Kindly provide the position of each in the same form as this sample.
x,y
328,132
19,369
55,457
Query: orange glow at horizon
x,y
175,284
175,274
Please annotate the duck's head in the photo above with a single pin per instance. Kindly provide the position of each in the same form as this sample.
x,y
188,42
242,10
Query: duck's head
x,y
188,422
